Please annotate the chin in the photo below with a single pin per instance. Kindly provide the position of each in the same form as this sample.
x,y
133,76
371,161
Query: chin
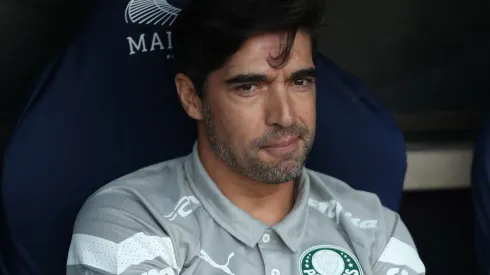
x,y
289,166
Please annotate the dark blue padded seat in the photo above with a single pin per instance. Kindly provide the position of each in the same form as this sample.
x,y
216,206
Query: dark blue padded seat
x,y
481,195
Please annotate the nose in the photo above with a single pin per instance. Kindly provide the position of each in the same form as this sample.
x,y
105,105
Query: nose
x,y
280,108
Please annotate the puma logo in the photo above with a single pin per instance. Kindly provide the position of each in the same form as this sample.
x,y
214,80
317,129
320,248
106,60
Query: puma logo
x,y
210,261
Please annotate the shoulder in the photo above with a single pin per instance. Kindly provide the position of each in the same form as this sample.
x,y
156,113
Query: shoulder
x,y
157,175
364,220
151,195
327,188
160,185
140,211
362,209
358,213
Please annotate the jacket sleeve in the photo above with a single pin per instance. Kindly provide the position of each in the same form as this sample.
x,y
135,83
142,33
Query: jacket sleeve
x,y
116,234
399,255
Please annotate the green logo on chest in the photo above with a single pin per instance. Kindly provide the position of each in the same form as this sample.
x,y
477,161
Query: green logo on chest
x,y
329,260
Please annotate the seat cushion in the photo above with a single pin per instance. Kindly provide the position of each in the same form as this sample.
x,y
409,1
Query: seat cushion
x,y
357,139
107,106
481,195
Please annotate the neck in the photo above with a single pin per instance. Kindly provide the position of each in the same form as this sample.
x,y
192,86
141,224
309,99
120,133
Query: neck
x,y
269,203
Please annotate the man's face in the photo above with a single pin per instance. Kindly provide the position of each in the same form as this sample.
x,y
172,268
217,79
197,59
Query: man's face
x,y
260,120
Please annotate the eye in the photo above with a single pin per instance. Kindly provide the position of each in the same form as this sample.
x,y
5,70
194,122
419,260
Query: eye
x,y
302,82
247,88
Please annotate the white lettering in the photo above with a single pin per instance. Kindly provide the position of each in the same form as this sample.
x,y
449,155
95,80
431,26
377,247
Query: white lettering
x,y
156,41
334,210
338,210
309,272
323,206
331,209
141,44
320,206
169,38
313,203
355,221
368,224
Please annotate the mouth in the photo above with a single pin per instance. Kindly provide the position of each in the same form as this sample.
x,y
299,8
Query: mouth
x,y
282,146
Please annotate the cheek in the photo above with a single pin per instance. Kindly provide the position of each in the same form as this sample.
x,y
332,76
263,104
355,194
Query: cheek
x,y
242,123
306,110
312,115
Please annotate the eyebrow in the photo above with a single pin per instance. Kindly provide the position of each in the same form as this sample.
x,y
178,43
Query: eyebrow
x,y
304,73
247,78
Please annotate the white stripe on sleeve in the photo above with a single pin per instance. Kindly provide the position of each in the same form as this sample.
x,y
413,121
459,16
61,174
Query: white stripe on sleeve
x,y
399,253
116,258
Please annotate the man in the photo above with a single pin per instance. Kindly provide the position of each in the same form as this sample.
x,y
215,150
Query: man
x,y
101,110
242,202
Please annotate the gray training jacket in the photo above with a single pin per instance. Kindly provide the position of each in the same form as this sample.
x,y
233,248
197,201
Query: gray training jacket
x,y
171,218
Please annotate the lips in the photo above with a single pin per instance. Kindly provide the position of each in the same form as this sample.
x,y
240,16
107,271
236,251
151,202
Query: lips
x,y
283,142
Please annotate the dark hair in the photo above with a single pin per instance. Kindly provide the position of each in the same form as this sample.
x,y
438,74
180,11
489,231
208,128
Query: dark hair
x,y
208,32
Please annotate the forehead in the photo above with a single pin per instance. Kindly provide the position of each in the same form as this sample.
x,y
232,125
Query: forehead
x,y
253,56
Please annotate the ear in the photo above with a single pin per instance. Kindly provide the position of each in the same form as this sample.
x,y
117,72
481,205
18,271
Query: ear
x,y
188,96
